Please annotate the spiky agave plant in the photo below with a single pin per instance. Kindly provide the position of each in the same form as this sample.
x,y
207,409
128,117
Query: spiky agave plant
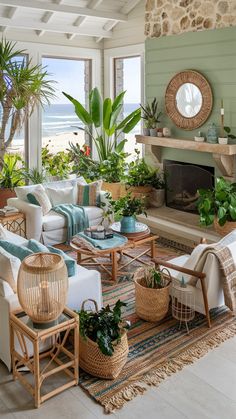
x,y
151,114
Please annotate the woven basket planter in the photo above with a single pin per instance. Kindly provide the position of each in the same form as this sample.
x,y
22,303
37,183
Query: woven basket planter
x,y
226,228
94,362
152,304
117,190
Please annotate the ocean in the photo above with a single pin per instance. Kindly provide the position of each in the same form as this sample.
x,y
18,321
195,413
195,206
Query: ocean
x,y
60,118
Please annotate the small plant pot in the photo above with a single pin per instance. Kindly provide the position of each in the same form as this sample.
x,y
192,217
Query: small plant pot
x,y
223,140
5,194
153,132
127,224
146,132
157,198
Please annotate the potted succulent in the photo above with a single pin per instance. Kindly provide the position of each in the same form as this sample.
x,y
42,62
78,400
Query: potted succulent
x,y
152,294
139,177
11,176
103,341
218,206
127,207
151,117
158,183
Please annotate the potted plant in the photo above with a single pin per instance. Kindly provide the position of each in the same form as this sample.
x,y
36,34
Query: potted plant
x,y
152,293
218,206
11,176
22,87
82,162
151,117
112,171
139,177
103,341
56,166
158,183
102,122
128,208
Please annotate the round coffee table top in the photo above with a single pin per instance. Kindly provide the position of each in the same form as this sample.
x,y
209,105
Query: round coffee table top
x,y
141,230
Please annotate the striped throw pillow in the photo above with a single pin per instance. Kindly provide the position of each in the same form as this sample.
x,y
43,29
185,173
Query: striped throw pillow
x,y
89,195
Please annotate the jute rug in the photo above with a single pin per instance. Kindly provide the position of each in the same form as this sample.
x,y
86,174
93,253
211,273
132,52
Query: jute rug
x,y
155,350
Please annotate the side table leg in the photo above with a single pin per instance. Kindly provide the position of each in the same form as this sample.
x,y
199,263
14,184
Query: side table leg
x,y
78,258
114,266
153,249
12,346
37,384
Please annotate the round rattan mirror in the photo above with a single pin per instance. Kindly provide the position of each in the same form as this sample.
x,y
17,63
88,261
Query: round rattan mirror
x,y
188,99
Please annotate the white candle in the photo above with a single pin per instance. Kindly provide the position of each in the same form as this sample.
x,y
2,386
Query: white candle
x,y
222,111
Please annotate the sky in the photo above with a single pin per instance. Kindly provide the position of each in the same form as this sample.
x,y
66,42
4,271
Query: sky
x,y
69,75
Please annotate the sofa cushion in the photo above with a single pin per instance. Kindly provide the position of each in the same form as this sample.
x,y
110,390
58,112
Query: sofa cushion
x,y
18,251
36,247
89,195
62,196
10,266
22,191
11,237
54,221
41,199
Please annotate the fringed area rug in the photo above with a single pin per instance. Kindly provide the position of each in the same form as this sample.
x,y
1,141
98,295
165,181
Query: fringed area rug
x,y
155,350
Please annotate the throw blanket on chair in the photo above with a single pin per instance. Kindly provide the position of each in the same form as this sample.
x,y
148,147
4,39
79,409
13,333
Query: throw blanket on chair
x,y
225,252
77,219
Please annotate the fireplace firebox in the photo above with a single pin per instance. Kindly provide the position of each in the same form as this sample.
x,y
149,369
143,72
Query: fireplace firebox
x,y
183,182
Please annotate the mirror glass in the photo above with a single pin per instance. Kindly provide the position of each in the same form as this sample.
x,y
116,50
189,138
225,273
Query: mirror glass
x,y
188,100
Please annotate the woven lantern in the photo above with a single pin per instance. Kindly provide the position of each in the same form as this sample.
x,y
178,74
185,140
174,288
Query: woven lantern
x,y
42,287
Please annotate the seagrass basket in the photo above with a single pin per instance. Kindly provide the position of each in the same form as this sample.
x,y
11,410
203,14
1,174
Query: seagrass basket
x,y
152,304
226,228
94,362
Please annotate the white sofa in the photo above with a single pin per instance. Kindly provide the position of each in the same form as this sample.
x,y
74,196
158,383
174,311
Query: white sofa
x,y
51,228
84,285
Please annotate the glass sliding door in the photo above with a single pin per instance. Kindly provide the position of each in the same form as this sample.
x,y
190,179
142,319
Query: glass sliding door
x,y
127,76
60,125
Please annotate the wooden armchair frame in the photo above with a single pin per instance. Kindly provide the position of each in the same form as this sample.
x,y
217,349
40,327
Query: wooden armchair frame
x,y
196,274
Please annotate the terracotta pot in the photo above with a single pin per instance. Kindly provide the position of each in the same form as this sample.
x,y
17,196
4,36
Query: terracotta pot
x,y
226,228
5,194
157,198
117,190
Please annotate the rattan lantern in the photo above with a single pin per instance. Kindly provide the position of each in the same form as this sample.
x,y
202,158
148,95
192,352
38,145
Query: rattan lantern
x,y
42,287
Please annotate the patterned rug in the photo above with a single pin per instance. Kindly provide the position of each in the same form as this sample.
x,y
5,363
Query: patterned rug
x,y
155,350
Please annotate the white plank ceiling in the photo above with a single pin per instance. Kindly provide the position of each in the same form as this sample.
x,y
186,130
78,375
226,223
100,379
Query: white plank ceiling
x,y
74,18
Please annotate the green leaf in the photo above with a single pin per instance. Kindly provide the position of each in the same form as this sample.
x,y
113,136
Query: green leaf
x,y
118,101
221,212
107,110
132,123
95,103
80,111
120,147
227,129
114,115
232,211
123,123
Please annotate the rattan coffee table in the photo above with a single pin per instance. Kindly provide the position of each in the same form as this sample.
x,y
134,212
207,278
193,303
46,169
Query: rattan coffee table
x,y
113,265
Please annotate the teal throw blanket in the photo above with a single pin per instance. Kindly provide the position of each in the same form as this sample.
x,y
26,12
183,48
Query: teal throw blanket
x,y
116,241
77,219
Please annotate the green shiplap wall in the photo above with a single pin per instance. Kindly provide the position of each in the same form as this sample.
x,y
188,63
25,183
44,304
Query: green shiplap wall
x,y
213,53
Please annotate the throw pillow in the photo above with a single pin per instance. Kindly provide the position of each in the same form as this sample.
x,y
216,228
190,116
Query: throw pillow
x,y
70,262
10,266
41,199
61,196
36,247
19,252
22,191
89,195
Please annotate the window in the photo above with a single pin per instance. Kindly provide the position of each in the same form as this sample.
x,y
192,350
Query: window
x,y
127,76
60,125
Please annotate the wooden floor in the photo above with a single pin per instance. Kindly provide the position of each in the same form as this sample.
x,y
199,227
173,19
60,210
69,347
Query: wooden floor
x,y
206,389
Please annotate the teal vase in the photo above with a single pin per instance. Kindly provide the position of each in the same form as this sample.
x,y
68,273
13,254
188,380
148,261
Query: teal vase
x,y
212,134
127,224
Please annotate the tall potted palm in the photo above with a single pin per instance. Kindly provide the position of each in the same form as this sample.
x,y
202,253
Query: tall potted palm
x,y
22,87
102,123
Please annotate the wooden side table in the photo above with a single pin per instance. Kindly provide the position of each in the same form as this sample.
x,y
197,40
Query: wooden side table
x,y
16,223
44,365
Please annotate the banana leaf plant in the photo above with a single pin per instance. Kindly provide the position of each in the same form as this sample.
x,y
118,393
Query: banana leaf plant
x,y
102,122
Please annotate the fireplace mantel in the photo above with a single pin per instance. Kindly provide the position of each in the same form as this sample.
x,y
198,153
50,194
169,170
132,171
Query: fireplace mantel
x,y
223,155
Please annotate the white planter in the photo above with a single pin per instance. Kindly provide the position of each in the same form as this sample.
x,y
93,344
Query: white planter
x,y
199,139
157,198
223,140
